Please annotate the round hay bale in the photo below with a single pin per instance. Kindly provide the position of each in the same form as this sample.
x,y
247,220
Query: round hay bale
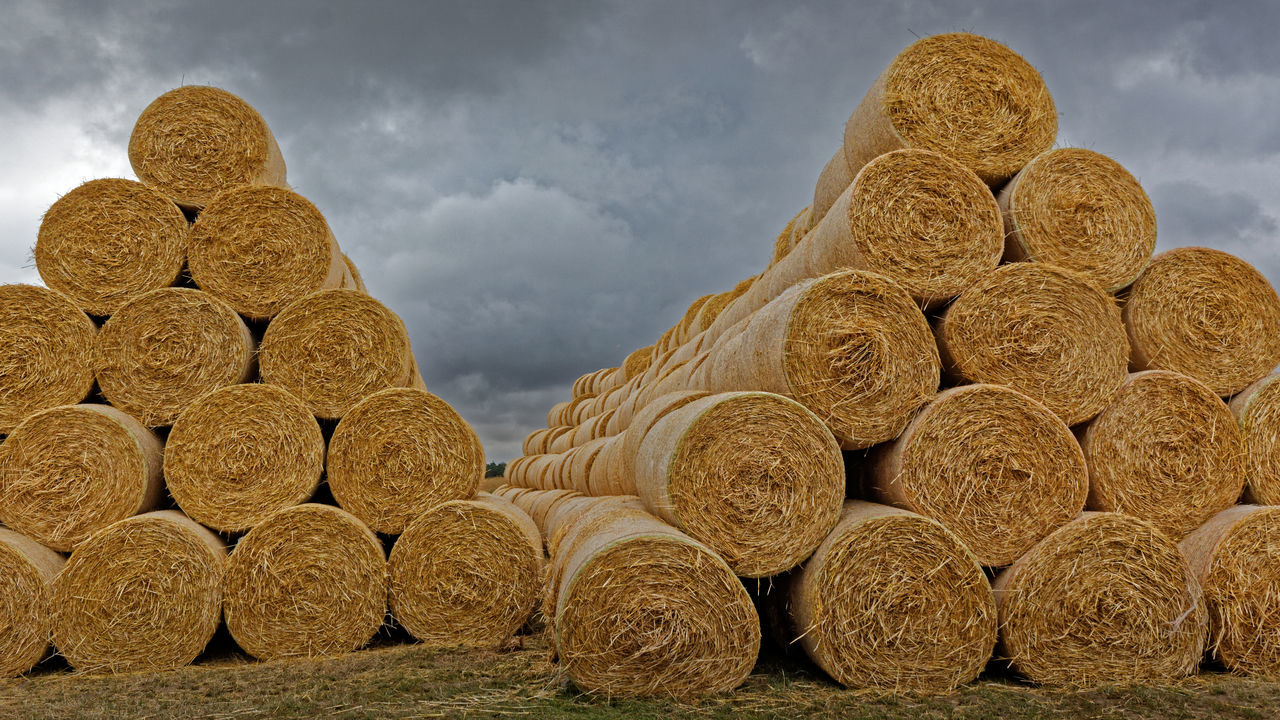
x,y
334,348
645,419
309,580
467,572
46,352
397,454
533,441
27,571
110,241
68,472
141,595
242,452
259,248
852,347
644,610
1082,211
992,465
637,362
1257,410
755,476
555,416
894,601
1106,598
194,141
782,245
354,272
1166,450
1234,556
159,353
1206,314
1043,331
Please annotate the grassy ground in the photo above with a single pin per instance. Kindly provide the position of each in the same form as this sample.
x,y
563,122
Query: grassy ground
x,y
408,681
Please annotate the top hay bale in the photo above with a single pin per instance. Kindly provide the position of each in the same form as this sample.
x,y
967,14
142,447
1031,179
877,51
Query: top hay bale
x,y
195,141
46,353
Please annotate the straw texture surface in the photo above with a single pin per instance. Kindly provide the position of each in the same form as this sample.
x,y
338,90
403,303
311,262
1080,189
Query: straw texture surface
x,y
1257,410
27,571
46,352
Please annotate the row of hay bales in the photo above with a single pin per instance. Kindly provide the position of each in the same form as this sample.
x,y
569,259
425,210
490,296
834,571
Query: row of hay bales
x,y
216,421
962,356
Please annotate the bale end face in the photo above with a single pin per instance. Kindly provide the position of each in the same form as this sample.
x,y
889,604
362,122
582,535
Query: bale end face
x,y
1257,410
46,353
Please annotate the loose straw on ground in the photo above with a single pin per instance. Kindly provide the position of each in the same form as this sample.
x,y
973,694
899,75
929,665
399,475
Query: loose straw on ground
x,y
1257,410
467,572
144,594
308,581
399,453
46,352
159,353
242,452
68,472
1105,599
1043,331
894,601
1206,314
1236,557
1166,450
990,464
109,241
27,571
195,141
333,348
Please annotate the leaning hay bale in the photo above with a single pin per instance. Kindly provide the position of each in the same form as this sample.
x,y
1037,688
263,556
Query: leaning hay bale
x,y
1257,410
1206,314
27,571
467,572
1043,331
852,347
309,580
260,248
989,463
1105,599
194,141
68,472
109,241
159,353
242,452
46,352
1167,450
141,595
894,601
1082,211
644,610
354,272
1236,558
334,348
397,454
755,476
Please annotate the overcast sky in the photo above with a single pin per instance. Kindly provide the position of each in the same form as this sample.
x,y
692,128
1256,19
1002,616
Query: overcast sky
x,y
538,188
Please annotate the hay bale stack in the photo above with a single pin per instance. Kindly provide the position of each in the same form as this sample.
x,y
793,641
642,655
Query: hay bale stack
x,y
68,472
27,572
141,595
755,476
242,452
260,248
893,601
46,352
1257,410
333,348
990,464
1106,598
400,452
1166,450
1043,331
1236,558
108,242
1082,211
852,347
160,352
642,609
310,580
1206,314
467,572
194,141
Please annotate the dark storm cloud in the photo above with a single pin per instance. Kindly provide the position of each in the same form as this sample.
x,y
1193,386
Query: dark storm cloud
x,y
539,188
